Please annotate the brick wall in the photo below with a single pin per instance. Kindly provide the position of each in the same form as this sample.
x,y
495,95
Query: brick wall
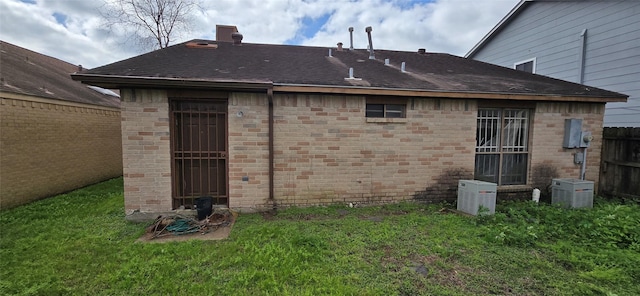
x,y
549,159
327,151
248,151
48,147
146,150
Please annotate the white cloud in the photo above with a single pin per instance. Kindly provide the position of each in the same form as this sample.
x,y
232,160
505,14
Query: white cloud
x,y
452,26
33,26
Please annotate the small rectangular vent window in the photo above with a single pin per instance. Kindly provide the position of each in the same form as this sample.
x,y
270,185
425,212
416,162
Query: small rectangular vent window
x,y
386,110
528,66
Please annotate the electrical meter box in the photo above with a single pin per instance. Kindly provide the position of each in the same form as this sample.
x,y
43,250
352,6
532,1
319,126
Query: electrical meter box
x,y
572,133
472,194
572,193
585,139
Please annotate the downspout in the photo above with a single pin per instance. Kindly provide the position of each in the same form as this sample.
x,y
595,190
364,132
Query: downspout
x,y
271,161
581,53
583,168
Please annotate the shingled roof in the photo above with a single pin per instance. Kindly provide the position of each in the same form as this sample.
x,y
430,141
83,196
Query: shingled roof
x,y
203,63
26,72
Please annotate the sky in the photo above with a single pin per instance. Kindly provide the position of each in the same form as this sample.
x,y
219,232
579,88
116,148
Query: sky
x,y
73,30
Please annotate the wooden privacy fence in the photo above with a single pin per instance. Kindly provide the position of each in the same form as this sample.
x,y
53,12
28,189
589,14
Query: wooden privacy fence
x,y
620,168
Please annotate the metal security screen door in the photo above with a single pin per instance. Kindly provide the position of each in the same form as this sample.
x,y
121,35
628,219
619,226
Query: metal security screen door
x,y
199,151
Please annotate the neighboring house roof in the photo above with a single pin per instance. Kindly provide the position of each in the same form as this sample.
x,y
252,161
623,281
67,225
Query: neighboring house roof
x,y
201,63
29,73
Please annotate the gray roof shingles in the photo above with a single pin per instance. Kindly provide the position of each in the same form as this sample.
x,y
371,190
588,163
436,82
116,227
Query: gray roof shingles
x,y
303,65
30,73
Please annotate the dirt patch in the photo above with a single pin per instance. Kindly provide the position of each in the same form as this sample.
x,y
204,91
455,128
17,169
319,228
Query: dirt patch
x,y
216,227
455,211
444,187
377,216
269,215
374,218
542,176
342,213
449,276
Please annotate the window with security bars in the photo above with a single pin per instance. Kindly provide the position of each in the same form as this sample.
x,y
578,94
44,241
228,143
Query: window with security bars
x,y
502,146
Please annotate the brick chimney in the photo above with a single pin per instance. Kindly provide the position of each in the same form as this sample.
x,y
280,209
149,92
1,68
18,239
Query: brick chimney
x,y
224,32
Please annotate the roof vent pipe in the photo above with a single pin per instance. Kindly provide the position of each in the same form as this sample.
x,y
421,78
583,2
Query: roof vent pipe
x,y
351,73
237,38
372,55
351,37
386,62
402,67
330,53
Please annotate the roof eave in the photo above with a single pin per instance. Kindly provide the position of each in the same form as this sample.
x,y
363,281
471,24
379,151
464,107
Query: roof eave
x,y
53,100
355,90
117,82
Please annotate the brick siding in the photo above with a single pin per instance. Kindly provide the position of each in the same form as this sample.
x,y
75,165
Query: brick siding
x,y
146,151
49,147
549,159
327,151
248,151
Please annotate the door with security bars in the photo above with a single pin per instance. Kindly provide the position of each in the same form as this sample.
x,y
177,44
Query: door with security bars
x,y
199,151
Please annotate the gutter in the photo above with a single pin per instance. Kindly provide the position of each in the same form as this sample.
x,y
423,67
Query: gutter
x,y
119,81
355,90
110,81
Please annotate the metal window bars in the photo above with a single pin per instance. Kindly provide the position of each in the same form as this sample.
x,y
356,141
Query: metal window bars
x,y
199,151
502,146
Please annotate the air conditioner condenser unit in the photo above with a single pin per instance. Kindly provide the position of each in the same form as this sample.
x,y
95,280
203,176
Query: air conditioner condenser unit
x,y
572,193
472,194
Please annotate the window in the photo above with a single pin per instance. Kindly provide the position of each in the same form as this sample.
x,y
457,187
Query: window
x,y
526,66
502,146
386,110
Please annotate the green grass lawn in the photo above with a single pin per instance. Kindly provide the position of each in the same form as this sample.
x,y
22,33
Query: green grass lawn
x,y
79,243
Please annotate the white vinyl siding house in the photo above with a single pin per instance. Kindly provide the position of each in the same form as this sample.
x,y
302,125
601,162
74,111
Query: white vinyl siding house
x,y
596,43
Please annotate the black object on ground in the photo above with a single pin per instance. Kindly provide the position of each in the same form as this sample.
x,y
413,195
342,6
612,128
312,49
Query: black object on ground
x,y
203,206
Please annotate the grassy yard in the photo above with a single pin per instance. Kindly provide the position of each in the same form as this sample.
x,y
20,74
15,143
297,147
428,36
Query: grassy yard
x,y
79,243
